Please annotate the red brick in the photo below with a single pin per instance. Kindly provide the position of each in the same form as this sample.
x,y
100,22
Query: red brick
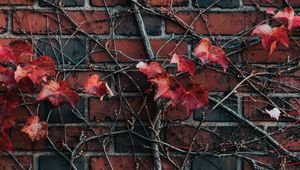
x,y
7,162
101,3
92,22
37,22
257,54
218,23
254,108
16,2
134,49
289,139
43,22
107,109
168,2
213,80
174,113
182,136
94,145
121,163
3,21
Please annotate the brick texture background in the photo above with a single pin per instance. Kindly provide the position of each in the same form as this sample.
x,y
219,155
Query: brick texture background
x,y
74,33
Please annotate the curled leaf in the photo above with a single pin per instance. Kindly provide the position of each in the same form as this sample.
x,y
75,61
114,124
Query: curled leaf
x,y
94,85
288,15
272,36
38,70
183,64
35,128
206,52
58,94
150,70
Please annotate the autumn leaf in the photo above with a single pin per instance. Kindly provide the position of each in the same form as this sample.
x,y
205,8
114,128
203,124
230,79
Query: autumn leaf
x,y
208,53
95,86
183,64
288,15
151,70
8,103
272,36
58,94
167,87
35,128
6,55
195,97
7,77
22,50
270,10
38,70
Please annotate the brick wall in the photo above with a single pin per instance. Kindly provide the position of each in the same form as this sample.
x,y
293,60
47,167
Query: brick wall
x,y
88,36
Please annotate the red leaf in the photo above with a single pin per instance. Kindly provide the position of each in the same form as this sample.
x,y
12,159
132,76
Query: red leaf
x,y
270,10
288,15
183,64
5,142
196,97
7,77
151,70
35,128
95,86
272,36
206,52
167,87
21,50
37,70
6,55
8,103
58,94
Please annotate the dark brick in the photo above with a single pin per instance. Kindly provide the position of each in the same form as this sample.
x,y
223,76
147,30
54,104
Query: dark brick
x,y
58,163
8,163
217,114
65,3
63,114
126,25
123,141
121,163
221,4
65,51
214,163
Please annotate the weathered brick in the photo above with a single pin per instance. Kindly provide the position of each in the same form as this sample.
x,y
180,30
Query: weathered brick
x,y
221,4
65,51
257,54
167,2
121,162
58,162
126,25
263,2
64,3
97,145
133,49
255,107
7,162
101,3
131,143
132,81
212,163
215,82
45,22
110,109
63,114
92,22
16,2
217,23
3,21
289,138
217,114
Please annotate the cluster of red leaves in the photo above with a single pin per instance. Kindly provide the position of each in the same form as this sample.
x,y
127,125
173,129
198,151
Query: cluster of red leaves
x,y
38,75
272,36
193,96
